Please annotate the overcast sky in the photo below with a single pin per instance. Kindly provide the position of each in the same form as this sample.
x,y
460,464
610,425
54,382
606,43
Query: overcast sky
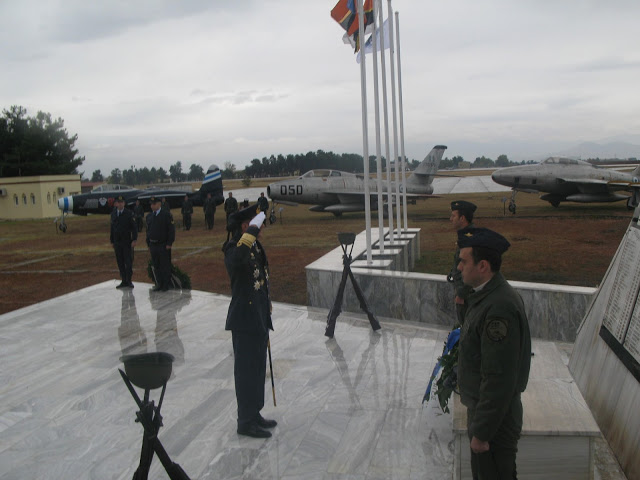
x,y
151,82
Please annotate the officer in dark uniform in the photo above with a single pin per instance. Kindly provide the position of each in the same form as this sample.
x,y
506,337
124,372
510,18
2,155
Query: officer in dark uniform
x,y
249,317
187,211
494,356
263,202
230,206
123,237
138,211
209,208
165,205
161,234
461,217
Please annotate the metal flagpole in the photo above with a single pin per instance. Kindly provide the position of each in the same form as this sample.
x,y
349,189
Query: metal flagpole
x,y
386,125
393,107
404,168
374,36
365,135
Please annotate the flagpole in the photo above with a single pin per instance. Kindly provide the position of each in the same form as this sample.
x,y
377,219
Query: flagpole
x,y
393,108
365,136
404,169
376,96
386,126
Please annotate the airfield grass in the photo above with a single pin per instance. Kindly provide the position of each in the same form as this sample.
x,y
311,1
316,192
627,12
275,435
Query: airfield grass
x,y
570,245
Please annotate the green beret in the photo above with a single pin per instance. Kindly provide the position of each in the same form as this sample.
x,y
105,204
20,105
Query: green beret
x,y
463,205
482,237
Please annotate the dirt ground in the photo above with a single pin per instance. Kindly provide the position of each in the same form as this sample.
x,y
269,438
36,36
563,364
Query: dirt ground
x,y
570,245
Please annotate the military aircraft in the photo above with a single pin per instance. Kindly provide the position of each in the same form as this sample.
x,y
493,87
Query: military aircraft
x,y
336,192
101,198
569,180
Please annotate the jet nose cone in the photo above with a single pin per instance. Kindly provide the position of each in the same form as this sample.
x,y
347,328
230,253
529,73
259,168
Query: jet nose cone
x,y
65,204
498,177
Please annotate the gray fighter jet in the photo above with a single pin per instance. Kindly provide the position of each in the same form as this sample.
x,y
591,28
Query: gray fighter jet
x,y
568,180
336,192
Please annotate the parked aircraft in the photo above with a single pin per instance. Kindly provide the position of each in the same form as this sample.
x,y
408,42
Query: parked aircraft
x,y
568,180
100,199
337,192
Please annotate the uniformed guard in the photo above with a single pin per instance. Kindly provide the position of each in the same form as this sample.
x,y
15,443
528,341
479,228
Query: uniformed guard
x,y
209,208
187,211
461,217
230,206
123,237
263,202
138,211
249,317
161,234
494,356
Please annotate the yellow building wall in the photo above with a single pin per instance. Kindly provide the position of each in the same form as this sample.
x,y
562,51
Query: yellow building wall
x,y
35,197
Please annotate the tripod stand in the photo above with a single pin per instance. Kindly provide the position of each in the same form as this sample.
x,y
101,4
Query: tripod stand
x,y
347,239
149,371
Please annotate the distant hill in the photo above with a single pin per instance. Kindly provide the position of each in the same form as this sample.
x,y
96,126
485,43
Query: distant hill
x,y
587,150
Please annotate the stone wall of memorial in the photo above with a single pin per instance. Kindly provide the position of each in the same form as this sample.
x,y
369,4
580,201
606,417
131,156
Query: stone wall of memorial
x,y
554,311
605,361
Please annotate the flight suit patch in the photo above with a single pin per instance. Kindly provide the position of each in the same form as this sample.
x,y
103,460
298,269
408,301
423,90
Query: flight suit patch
x,y
497,330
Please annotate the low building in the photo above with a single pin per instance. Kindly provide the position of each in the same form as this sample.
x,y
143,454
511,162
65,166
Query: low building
x,y
36,196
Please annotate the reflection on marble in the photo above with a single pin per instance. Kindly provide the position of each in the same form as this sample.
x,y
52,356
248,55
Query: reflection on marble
x,y
554,311
347,408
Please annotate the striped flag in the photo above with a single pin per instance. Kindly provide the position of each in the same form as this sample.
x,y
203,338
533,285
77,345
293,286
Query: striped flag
x,y
346,15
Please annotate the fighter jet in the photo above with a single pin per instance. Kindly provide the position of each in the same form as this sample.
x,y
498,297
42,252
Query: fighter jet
x,y
569,180
101,198
337,192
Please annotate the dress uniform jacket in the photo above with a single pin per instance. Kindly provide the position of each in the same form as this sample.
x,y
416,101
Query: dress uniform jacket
x,y
250,307
123,227
160,228
494,356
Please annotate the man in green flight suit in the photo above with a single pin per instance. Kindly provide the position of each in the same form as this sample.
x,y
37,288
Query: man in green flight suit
x,y
494,356
461,217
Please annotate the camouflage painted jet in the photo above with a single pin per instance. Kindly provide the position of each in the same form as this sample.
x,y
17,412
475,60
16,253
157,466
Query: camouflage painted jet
x,y
569,180
336,192
101,198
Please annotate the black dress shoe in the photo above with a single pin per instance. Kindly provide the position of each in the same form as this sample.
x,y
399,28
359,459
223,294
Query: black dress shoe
x,y
253,430
129,285
264,423
157,288
122,285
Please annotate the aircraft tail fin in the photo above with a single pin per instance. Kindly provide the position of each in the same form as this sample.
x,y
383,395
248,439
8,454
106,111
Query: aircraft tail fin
x,y
636,172
212,184
424,173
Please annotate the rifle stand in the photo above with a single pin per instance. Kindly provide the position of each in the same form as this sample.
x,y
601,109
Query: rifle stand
x,y
347,239
150,371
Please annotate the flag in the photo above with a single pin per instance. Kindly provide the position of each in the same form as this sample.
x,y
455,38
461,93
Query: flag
x,y
368,45
346,15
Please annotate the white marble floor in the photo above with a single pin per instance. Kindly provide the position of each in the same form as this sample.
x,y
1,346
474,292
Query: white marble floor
x,y
347,408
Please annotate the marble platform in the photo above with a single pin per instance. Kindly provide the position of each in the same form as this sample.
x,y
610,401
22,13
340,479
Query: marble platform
x,y
554,311
348,408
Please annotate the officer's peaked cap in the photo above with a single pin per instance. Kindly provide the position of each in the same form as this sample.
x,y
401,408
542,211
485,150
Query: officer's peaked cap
x,y
237,218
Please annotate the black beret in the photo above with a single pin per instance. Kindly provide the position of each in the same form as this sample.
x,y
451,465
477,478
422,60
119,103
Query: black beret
x,y
463,205
236,219
482,237
119,198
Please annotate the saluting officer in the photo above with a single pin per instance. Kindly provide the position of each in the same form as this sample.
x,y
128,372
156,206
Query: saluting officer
x,y
123,237
461,217
161,234
494,356
249,317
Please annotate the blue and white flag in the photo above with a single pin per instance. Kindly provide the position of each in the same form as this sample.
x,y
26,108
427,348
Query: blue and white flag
x,y
368,45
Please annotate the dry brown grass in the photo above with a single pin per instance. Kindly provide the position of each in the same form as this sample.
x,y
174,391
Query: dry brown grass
x,y
570,245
